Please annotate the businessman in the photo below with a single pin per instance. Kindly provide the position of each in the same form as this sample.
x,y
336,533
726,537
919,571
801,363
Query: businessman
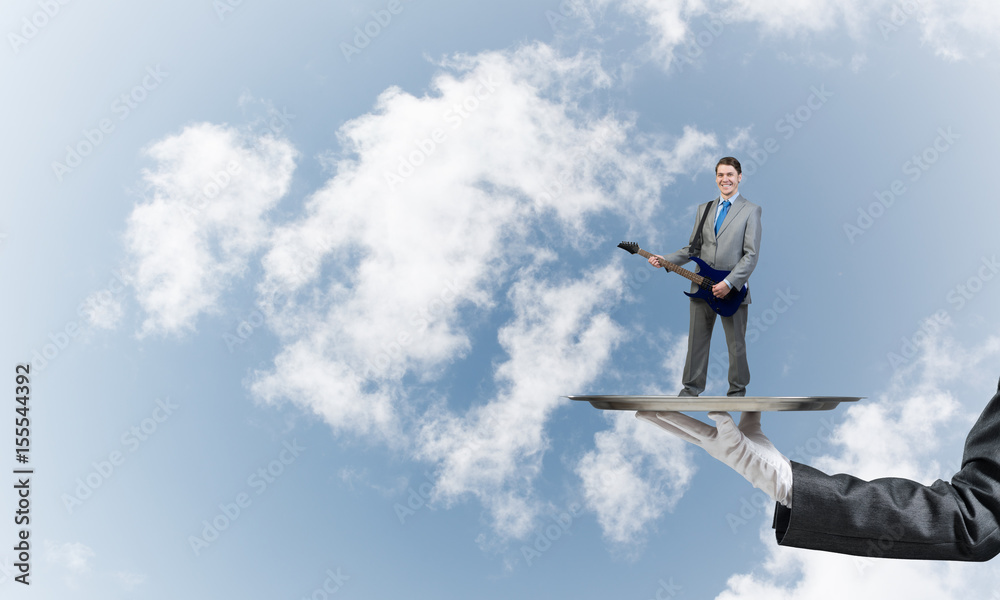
x,y
726,235
889,517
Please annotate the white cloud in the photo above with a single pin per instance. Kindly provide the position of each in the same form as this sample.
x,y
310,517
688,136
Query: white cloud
x,y
824,576
71,560
667,22
682,29
914,430
894,434
858,62
103,309
673,362
559,339
958,30
129,581
443,209
74,557
631,477
411,232
204,216
741,139
801,17
953,30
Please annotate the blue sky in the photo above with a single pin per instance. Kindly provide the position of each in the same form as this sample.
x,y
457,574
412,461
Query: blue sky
x,y
302,286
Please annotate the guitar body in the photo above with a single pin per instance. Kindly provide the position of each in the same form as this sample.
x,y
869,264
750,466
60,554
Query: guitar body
x,y
724,307
704,279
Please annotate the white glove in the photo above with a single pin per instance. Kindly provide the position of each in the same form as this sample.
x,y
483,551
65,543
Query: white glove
x,y
745,449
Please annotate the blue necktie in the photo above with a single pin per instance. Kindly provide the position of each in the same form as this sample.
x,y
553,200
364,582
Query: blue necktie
x,y
722,215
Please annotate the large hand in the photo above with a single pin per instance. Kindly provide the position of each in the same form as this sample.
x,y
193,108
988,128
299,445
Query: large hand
x,y
745,449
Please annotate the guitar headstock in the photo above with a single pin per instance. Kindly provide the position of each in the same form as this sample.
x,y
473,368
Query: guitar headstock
x,y
631,247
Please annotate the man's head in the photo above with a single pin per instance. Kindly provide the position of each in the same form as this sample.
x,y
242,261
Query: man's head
x,y
728,174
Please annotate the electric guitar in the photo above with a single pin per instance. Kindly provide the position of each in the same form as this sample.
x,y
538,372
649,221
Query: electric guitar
x,y
705,278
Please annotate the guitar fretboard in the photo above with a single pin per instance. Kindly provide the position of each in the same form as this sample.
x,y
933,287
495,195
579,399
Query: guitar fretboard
x,y
698,279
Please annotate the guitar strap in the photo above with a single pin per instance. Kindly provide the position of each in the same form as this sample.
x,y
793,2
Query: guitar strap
x,y
696,244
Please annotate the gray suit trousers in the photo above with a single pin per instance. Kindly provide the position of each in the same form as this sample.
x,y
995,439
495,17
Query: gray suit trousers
x,y
700,334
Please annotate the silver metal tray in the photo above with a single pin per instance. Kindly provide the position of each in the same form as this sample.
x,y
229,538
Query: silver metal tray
x,y
713,403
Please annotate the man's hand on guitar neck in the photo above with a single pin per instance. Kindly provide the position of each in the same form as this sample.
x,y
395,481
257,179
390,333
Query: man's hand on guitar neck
x,y
656,260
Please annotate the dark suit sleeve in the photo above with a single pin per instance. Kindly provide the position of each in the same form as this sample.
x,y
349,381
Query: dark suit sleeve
x,y
899,518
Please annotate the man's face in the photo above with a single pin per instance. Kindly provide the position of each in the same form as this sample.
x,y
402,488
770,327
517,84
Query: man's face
x,y
728,180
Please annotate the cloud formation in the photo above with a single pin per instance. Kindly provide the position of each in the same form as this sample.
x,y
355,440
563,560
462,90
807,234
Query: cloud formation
x,y
203,217
631,477
559,339
442,213
72,556
444,208
679,30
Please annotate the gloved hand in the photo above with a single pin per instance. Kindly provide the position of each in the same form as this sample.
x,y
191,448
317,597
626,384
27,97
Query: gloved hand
x,y
745,448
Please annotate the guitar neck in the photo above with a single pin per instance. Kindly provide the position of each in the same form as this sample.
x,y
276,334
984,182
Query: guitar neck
x,y
698,279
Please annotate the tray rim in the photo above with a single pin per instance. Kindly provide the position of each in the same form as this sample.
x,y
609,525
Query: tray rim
x,y
713,403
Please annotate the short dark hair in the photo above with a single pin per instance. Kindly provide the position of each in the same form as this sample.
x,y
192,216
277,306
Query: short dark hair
x,y
732,162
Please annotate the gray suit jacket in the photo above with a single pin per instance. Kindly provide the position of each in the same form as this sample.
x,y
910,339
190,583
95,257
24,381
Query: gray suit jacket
x,y
734,248
899,518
